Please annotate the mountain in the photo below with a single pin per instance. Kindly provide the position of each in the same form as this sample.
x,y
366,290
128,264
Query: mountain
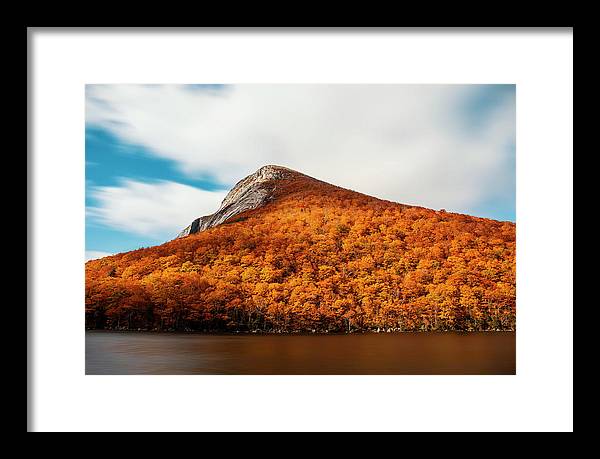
x,y
286,252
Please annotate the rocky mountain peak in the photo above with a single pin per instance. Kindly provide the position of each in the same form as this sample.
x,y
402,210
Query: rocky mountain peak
x,y
251,192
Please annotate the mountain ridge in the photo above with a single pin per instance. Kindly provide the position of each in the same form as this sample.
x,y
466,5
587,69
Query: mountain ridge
x,y
288,252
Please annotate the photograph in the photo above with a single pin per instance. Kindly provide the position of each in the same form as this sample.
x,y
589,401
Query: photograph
x,y
302,229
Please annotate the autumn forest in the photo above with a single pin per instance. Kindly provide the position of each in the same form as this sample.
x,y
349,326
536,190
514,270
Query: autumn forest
x,y
317,258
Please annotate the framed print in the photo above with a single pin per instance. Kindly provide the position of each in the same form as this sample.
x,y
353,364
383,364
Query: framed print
x,y
347,226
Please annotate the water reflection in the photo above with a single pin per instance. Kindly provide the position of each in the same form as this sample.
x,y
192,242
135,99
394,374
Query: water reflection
x,y
401,353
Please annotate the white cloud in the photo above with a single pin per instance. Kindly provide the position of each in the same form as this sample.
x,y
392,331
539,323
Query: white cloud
x,y
406,143
95,254
158,210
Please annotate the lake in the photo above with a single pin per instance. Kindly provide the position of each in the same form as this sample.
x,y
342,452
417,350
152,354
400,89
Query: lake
x,y
119,353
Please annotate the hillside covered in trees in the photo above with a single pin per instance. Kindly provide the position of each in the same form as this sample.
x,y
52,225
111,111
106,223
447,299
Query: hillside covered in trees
x,y
315,257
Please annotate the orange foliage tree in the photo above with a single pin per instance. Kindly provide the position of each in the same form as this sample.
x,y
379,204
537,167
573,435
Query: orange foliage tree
x,y
318,258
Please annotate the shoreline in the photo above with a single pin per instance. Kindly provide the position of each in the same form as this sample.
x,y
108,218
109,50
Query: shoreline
x,y
302,333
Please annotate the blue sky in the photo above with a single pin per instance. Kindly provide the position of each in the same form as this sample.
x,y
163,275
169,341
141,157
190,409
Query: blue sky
x,y
158,156
109,163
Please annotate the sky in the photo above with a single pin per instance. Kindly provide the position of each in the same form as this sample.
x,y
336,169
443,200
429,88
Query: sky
x,y
159,156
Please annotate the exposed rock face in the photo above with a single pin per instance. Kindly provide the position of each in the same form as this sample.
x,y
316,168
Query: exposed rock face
x,y
249,193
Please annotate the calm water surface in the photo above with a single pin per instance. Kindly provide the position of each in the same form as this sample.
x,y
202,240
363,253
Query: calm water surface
x,y
390,353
